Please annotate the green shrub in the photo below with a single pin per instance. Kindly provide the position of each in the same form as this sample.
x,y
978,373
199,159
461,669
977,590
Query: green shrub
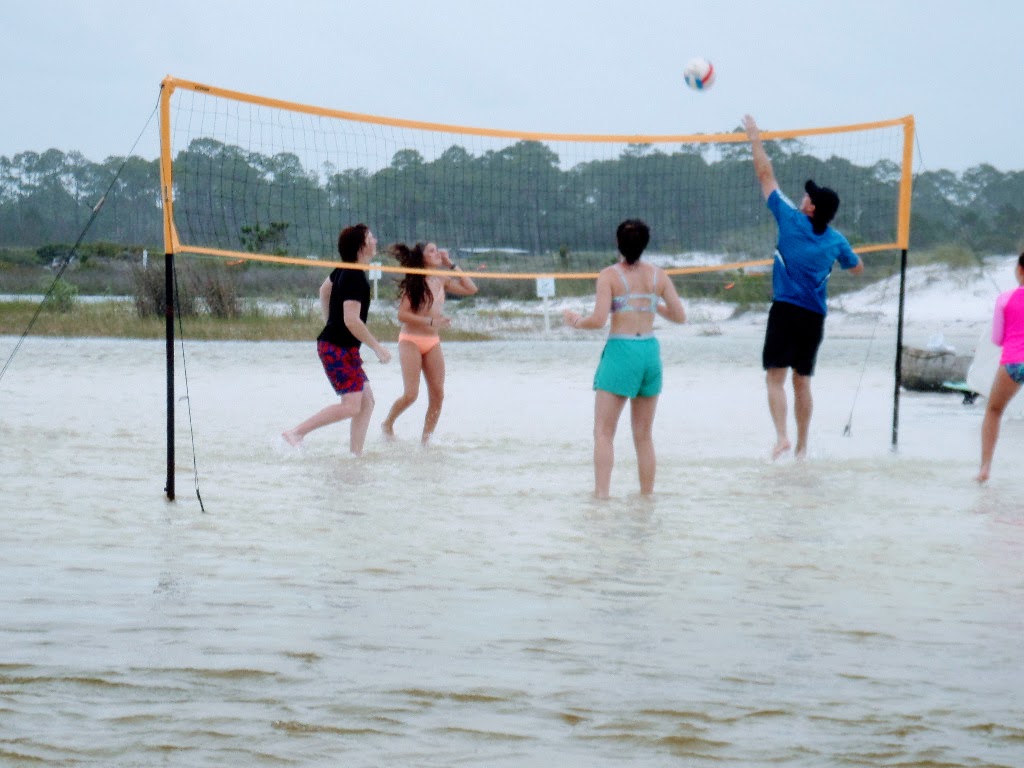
x,y
52,252
952,254
19,256
216,287
61,298
150,292
205,286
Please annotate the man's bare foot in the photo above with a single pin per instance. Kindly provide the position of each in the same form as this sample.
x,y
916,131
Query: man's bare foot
x,y
388,431
781,447
290,437
983,474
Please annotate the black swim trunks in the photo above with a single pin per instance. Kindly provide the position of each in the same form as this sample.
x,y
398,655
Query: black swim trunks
x,y
792,338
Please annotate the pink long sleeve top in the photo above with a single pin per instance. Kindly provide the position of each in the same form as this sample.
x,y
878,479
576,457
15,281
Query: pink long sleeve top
x,y
1008,326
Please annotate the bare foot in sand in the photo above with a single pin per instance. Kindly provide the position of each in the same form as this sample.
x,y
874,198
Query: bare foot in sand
x,y
388,432
781,447
983,474
290,437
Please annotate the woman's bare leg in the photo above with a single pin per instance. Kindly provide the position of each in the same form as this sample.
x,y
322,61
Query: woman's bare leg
x,y
412,364
433,374
642,411
1003,390
607,409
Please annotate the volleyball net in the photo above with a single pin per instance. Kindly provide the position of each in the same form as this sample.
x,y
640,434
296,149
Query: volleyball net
x,y
254,178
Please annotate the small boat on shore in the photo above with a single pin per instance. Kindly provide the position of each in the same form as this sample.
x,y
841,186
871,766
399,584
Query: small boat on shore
x,y
928,370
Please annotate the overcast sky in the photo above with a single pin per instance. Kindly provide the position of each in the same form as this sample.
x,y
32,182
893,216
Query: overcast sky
x,y
85,75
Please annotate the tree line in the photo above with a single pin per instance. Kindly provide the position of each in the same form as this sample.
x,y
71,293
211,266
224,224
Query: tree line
x,y
519,198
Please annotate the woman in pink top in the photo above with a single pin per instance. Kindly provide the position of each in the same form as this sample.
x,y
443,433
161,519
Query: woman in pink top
x,y
1008,333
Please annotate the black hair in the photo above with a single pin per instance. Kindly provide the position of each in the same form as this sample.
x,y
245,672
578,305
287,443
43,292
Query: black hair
x,y
632,236
351,241
414,286
1020,260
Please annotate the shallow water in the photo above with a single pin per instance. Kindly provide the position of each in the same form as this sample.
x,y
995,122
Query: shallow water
x,y
470,603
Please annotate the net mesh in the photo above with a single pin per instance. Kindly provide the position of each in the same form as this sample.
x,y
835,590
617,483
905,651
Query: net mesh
x,y
247,177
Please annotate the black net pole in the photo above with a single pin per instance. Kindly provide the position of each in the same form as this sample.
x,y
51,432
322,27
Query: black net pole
x,y
898,378
169,315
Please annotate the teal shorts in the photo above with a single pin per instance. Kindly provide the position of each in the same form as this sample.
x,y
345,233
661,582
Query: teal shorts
x,y
630,367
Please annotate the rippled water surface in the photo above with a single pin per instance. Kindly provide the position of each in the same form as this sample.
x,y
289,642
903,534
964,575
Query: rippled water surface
x,y
469,604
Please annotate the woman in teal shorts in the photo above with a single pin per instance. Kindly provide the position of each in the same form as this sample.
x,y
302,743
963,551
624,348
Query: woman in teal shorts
x,y
632,292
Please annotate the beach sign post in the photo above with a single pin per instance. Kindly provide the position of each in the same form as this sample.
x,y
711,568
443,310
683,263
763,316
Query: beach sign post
x,y
545,291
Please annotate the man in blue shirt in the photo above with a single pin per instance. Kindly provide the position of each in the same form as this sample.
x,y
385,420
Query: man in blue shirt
x,y
806,250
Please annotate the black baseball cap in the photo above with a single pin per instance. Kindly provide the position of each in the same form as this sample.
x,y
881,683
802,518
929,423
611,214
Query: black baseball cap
x,y
826,202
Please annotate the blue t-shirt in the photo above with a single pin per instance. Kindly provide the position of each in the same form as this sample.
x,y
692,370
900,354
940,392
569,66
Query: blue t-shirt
x,y
803,260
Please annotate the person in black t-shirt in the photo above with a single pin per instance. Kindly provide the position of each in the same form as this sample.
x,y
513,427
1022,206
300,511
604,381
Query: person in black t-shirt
x,y
345,298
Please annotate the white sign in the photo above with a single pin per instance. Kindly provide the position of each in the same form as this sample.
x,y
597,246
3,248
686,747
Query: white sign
x,y
375,274
545,287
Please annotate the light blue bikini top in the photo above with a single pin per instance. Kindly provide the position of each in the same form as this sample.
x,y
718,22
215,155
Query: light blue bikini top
x,y
623,303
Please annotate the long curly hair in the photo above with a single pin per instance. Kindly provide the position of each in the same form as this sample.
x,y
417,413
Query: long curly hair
x,y
413,286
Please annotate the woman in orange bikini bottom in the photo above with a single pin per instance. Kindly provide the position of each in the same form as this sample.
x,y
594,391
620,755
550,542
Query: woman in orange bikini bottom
x,y
421,314
423,343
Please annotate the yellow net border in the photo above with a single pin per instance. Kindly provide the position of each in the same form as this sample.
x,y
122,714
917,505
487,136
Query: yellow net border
x,y
172,243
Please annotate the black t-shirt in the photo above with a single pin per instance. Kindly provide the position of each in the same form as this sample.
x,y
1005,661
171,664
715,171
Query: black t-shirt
x,y
346,285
